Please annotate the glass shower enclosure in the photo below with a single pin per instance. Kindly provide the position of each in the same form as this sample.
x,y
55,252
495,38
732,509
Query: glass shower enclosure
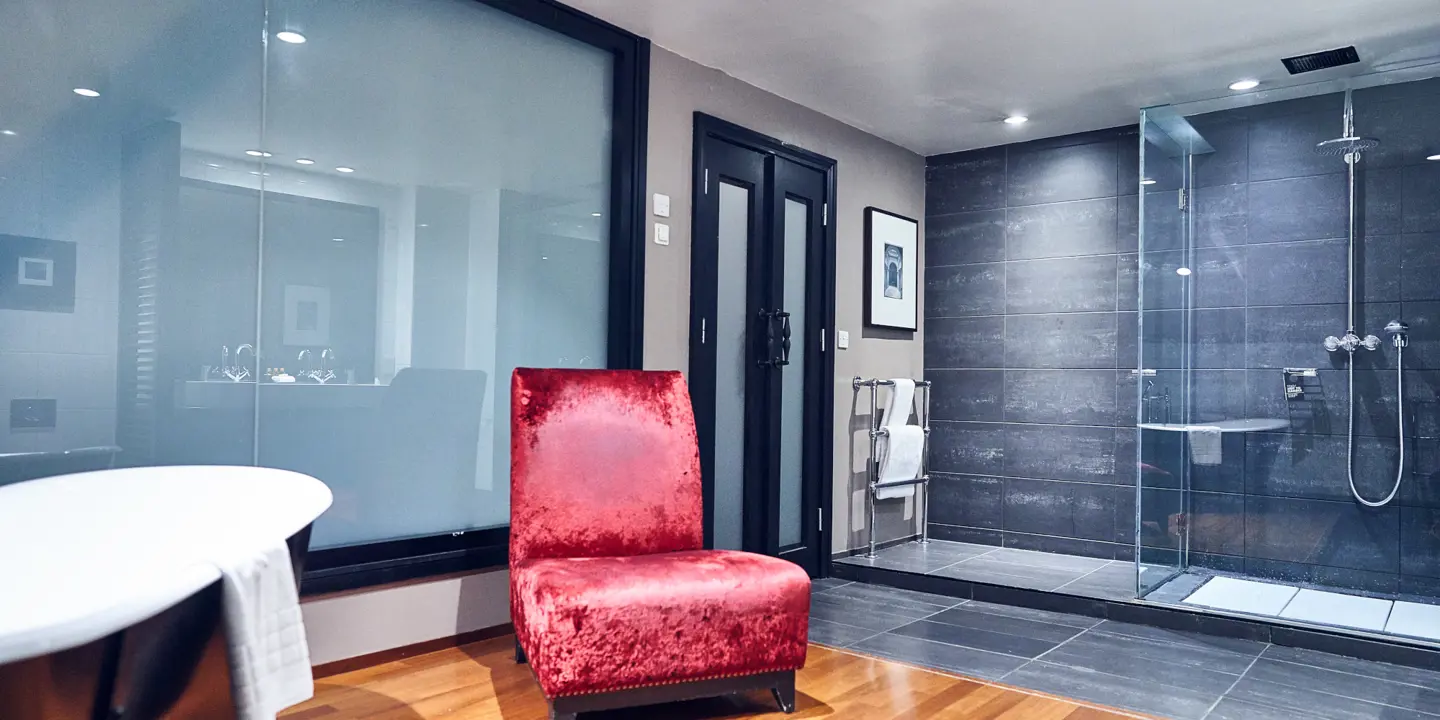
x,y
1287,355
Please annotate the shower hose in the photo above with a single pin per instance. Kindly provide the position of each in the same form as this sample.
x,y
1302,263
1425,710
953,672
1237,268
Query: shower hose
x,y
1350,453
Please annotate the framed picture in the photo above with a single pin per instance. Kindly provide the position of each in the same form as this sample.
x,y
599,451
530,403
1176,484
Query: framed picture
x,y
892,245
307,316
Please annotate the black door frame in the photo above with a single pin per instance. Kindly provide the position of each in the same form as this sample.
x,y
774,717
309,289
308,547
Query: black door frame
x,y
703,284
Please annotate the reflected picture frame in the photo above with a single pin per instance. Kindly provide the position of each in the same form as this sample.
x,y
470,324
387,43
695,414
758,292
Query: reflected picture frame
x,y
891,277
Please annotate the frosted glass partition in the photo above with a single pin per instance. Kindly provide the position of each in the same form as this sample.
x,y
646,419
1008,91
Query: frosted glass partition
x,y
300,234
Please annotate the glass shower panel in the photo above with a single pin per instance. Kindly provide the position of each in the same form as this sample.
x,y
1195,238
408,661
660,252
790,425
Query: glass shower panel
x,y
1165,271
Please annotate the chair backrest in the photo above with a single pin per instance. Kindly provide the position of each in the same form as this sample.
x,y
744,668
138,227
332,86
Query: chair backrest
x,y
603,463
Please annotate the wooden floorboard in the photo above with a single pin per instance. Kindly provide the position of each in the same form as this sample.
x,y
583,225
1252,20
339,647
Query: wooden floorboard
x,y
481,681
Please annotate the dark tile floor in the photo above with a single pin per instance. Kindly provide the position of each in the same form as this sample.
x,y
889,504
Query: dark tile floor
x,y
1150,670
1073,574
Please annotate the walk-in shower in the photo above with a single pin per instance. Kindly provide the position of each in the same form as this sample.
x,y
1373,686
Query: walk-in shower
x,y
1352,148
1298,479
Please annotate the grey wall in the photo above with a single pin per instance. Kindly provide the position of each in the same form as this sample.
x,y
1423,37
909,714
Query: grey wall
x,y
870,171
1031,354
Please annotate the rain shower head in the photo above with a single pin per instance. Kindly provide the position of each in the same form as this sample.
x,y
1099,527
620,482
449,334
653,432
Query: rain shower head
x,y
1345,145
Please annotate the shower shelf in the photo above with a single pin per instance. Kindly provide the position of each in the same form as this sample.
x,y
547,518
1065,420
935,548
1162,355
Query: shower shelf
x,y
1226,426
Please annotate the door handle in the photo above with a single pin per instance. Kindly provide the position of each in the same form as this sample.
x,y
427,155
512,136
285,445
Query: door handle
x,y
767,354
784,338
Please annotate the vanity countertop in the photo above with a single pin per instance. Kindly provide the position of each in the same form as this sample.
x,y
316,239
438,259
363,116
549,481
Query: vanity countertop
x,y
227,395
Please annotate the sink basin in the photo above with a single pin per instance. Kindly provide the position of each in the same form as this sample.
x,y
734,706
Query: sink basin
x,y
1226,426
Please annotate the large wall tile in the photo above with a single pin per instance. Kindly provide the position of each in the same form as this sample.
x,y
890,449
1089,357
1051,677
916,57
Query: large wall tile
x,y
963,290
1222,216
1065,397
1320,532
1419,266
1405,125
1303,208
1424,320
1067,340
1380,261
969,395
1422,199
1085,284
1229,164
962,238
1075,172
1219,277
968,448
1381,200
1217,395
1281,337
1296,273
965,182
969,500
1314,466
1058,452
1217,523
1284,147
1048,507
965,342
1420,542
1084,227
1218,338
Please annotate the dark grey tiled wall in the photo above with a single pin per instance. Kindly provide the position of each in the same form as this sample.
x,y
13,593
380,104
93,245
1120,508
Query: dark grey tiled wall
x,y
1031,332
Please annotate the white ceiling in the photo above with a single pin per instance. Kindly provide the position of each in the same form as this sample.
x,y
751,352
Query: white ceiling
x,y
938,75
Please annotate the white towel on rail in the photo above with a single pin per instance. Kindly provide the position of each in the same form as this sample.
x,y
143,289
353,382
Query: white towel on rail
x,y
265,635
901,450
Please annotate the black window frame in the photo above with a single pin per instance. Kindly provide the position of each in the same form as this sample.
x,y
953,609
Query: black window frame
x,y
360,566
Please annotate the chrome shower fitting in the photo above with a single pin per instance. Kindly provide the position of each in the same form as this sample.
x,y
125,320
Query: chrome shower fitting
x,y
1352,147
1351,342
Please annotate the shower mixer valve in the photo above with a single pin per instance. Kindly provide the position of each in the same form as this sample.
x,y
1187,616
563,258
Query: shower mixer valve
x,y
1351,342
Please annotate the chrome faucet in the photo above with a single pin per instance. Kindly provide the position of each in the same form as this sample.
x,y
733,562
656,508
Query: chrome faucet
x,y
304,359
324,374
239,371
1147,396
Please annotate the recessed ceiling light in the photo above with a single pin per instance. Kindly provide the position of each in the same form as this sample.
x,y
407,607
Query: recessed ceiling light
x,y
1244,84
258,153
1182,271
259,174
337,239
1147,181
213,165
290,36
344,169
594,214
1436,156
11,133
1016,120
86,92
304,161
424,224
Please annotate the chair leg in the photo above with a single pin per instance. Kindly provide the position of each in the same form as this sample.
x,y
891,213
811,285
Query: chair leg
x,y
784,692
519,653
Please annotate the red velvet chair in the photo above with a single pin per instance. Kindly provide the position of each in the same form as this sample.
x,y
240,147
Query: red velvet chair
x,y
615,603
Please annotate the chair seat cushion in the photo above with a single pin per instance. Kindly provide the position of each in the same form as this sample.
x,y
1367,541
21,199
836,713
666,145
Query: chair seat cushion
x,y
593,625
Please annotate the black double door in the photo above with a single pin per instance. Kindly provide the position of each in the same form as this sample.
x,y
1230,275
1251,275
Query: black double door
x,y
759,351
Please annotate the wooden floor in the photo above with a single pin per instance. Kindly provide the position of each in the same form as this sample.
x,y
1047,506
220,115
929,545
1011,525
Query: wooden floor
x,y
482,682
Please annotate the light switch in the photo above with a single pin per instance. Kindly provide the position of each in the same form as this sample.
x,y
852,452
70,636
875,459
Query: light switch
x,y
662,234
662,205
842,339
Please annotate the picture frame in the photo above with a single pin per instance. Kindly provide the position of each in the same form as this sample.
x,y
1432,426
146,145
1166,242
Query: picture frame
x,y
307,316
892,261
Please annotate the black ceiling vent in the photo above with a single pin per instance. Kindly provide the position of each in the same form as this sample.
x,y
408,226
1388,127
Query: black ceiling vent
x,y
1321,60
